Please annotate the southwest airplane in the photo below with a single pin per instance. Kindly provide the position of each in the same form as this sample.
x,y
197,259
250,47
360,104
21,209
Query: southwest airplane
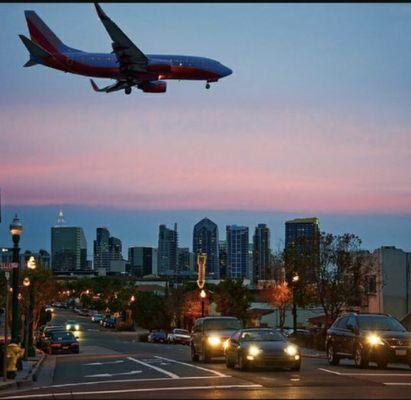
x,y
127,64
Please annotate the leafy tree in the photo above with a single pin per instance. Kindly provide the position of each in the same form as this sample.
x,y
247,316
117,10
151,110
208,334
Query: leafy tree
x,y
279,295
232,298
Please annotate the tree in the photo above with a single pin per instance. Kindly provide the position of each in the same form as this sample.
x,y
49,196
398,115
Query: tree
x,y
279,295
342,273
232,298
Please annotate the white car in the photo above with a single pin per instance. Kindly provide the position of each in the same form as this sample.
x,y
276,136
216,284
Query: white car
x,y
49,309
179,336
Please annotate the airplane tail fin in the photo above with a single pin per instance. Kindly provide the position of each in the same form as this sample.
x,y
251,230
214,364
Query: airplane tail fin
x,y
42,35
36,52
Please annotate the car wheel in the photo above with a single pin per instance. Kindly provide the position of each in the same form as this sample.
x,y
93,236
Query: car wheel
x,y
194,355
228,362
360,358
242,363
382,364
331,356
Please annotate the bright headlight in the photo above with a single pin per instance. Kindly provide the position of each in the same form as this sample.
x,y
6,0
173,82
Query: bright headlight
x,y
291,350
77,327
214,340
374,340
254,351
68,327
226,344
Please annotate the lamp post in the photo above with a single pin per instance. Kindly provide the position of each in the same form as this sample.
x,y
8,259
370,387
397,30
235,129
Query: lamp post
x,y
30,351
295,279
26,284
203,295
15,229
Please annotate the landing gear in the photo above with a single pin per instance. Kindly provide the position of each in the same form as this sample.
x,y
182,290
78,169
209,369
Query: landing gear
x,y
208,85
127,90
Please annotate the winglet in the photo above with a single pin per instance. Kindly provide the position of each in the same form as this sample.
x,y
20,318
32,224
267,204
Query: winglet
x,y
94,86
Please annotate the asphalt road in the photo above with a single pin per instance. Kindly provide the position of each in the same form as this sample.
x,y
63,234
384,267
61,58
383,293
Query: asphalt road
x,y
114,365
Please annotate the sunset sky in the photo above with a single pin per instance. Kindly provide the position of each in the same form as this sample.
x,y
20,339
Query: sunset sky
x,y
315,118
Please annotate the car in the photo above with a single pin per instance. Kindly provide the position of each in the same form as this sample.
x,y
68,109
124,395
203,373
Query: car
x,y
61,341
368,337
111,322
157,336
72,325
45,331
209,334
261,347
105,319
179,336
49,309
96,317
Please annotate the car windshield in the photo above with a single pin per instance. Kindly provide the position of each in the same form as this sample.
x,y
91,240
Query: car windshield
x,y
379,323
222,324
60,335
262,336
181,332
70,321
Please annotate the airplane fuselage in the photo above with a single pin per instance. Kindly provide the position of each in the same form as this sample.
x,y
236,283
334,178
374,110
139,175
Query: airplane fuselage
x,y
105,65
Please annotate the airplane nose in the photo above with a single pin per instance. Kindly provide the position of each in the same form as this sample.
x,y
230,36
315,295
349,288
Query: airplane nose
x,y
227,71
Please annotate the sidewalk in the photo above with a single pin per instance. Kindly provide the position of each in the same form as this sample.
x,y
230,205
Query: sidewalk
x,y
313,353
27,375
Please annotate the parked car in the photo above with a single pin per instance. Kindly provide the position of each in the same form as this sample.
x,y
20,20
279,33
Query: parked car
x,y
368,337
61,341
96,317
261,347
209,334
181,336
105,319
157,337
111,322
49,308
45,331
72,325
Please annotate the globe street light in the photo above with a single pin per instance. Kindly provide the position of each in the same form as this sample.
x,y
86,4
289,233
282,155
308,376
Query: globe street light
x,y
203,295
15,229
294,280
30,351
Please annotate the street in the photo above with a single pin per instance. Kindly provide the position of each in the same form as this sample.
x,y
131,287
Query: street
x,y
114,365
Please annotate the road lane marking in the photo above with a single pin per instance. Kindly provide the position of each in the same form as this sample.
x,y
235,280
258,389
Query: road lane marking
x,y
127,381
163,371
105,363
195,366
107,375
397,383
360,373
96,392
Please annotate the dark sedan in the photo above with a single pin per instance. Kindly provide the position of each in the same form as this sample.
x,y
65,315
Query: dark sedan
x,y
157,337
61,341
261,348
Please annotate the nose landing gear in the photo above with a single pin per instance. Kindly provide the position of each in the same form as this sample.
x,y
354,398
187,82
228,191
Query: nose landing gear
x,y
207,85
127,90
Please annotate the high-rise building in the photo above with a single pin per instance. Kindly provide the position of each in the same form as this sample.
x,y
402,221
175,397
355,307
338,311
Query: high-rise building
x,y
261,254
237,251
115,249
140,260
68,249
183,259
303,236
167,250
222,249
205,240
101,249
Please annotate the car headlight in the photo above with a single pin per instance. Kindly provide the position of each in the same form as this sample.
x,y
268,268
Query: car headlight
x,y
291,350
254,351
214,341
68,327
77,327
374,340
226,344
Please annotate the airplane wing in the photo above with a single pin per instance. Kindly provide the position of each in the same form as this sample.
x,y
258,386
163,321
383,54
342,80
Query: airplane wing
x,y
130,58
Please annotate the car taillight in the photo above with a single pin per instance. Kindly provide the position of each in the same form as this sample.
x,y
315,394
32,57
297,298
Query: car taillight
x,y
56,345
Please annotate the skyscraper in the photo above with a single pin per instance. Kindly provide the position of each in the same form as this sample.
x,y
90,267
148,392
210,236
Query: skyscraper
x,y
101,249
140,260
261,253
68,247
205,240
237,251
167,250
222,250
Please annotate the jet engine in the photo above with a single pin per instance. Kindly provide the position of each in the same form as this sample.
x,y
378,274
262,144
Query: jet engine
x,y
153,87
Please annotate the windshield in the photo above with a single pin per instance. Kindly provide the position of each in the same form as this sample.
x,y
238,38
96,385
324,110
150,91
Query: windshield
x,y
379,323
62,336
222,324
262,336
181,332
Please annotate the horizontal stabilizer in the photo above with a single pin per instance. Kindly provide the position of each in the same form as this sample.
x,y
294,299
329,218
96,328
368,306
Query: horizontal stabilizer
x,y
34,49
30,63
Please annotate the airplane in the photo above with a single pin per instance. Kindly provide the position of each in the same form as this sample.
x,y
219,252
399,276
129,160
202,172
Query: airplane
x,y
127,64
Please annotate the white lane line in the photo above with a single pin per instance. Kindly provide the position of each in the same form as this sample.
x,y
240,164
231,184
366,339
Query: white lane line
x,y
360,374
163,371
127,381
96,392
195,366
397,383
105,363
107,375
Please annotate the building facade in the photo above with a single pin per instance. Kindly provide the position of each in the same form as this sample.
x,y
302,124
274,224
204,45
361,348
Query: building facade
x,y
141,260
101,249
167,250
237,251
222,249
205,240
261,254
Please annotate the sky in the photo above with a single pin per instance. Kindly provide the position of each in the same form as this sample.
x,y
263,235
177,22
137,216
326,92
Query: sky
x,y
314,120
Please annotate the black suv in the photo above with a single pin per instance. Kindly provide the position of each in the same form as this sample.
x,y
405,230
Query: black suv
x,y
209,334
367,337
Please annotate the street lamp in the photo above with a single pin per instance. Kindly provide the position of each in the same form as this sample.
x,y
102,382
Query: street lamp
x,y
15,229
30,351
203,295
294,280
